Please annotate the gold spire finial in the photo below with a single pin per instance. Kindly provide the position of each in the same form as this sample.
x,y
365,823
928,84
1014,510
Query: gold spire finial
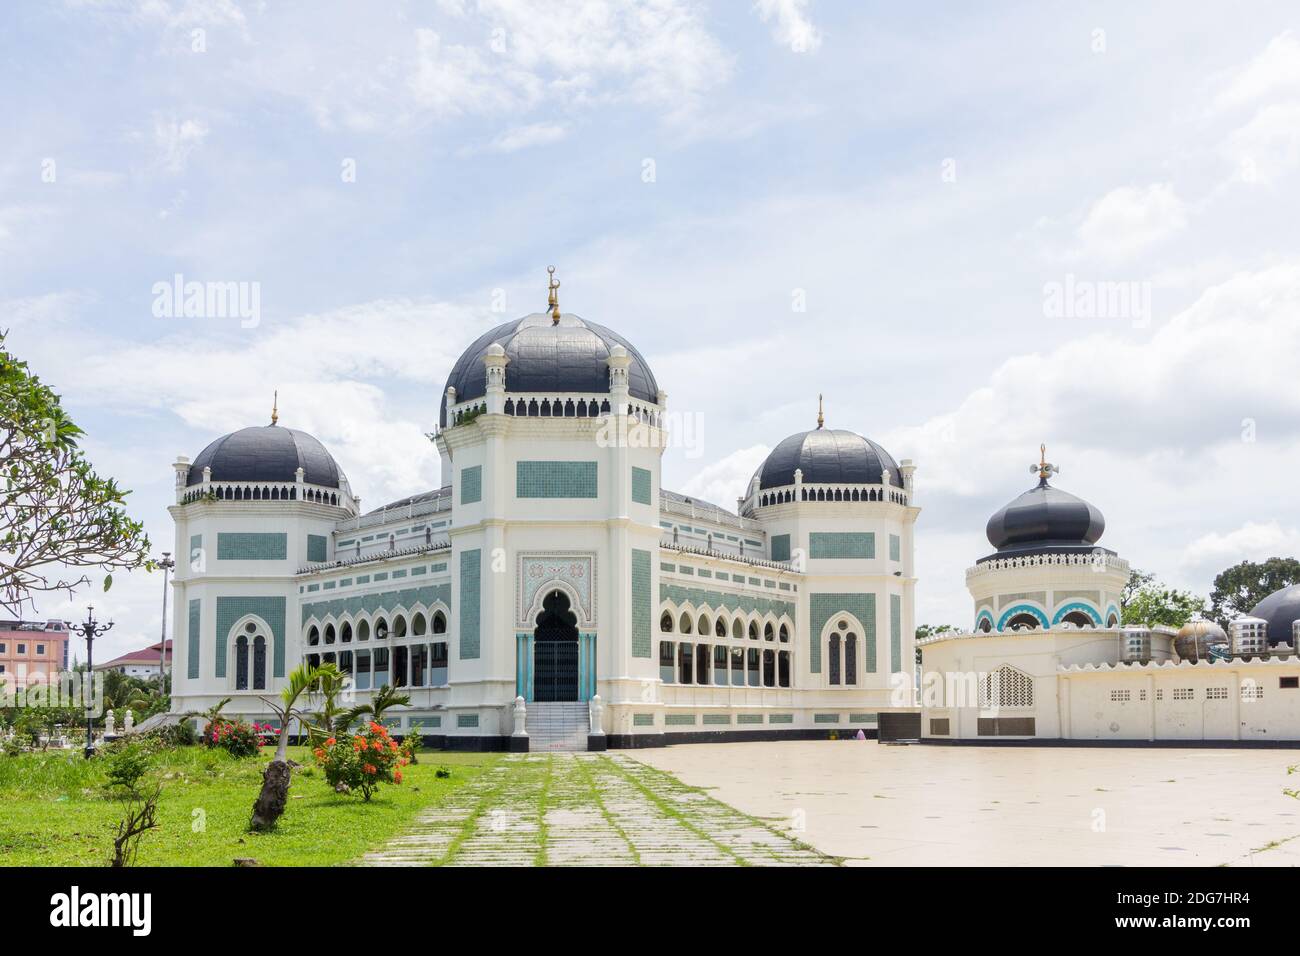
x,y
553,300
821,419
275,407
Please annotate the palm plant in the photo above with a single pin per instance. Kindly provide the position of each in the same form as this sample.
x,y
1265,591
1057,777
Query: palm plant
x,y
380,701
270,803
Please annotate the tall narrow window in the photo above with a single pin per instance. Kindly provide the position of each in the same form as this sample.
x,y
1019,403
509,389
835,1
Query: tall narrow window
x,y
684,671
259,663
834,656
783,669
769,668
851,659
420,665
241,663
737,666
363,670
401,655
720,665
752,659
438,664
666,668
702,664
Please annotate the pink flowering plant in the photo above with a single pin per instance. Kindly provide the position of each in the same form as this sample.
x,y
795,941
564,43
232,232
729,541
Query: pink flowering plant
x,y
236,737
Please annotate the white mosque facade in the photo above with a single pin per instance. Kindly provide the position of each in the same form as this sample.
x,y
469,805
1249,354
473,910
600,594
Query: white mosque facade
x,y
551,594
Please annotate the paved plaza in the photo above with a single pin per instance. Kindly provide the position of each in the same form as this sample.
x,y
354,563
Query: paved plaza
x,y
1009,806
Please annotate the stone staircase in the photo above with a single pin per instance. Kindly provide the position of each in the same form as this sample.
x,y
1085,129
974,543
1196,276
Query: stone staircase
x,y
556,726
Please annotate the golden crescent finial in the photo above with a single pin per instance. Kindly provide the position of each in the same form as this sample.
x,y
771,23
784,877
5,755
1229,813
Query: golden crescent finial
x,y
553,299
821,419
275,407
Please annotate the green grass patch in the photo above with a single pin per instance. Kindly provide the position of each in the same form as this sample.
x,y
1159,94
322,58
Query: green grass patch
x,y
58,813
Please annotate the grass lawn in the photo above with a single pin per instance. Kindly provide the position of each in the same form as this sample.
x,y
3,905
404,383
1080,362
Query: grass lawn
x,y
55,811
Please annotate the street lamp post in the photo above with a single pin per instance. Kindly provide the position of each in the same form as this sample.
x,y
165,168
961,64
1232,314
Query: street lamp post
x,y
90,630
166,564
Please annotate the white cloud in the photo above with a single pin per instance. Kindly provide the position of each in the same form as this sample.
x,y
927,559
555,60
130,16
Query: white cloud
x,y
1274,72
523,137
1253,541
792,27
1127,220
175,139
721,482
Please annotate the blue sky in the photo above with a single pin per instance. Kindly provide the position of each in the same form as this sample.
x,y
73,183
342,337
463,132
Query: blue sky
x,y
918,178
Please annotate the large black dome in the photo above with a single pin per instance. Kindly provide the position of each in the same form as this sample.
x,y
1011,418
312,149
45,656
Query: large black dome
x,y
266,453
828,456
1280,609
1045,519
546,357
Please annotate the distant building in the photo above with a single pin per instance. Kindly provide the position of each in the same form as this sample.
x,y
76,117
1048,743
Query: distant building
x,y
141,663
32,649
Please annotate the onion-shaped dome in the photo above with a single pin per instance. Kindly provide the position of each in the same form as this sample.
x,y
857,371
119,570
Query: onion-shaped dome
x,y
828,456
1280,609
549,356
267,453
1195,638
1044,520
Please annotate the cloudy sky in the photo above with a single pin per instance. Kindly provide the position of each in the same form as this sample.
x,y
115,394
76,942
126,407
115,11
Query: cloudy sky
x,y
974,231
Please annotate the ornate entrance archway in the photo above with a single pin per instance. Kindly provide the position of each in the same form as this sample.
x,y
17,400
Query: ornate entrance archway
x,y
555,650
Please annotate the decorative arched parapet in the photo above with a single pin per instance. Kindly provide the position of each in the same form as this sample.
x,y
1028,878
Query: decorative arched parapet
x,y
572,572
1113,615
1022,608
1071,606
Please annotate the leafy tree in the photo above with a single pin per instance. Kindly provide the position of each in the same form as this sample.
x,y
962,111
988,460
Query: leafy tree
x,y
1238,589
56,513
1148,602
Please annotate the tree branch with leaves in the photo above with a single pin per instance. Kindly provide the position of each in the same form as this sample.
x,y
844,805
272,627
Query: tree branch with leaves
x,y
56,514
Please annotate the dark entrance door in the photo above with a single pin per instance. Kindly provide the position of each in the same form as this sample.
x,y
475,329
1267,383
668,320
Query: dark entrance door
x,y
555,650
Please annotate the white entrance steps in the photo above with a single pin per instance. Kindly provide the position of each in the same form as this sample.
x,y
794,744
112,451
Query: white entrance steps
x,y
557,725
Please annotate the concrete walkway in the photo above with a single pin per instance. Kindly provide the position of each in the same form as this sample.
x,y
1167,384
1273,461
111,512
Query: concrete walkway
x,y
587,810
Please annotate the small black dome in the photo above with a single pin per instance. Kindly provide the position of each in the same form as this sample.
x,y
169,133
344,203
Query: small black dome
x,y
1044,519
545,357
828,456
1280,609
266,453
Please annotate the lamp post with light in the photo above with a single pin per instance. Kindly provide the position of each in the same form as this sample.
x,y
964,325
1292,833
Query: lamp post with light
x,y
90,630
166,564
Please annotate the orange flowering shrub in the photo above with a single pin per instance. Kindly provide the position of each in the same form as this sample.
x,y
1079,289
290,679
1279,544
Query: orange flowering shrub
x,y
362,761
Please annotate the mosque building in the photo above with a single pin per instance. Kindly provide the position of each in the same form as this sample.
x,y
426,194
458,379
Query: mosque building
x,y
551,594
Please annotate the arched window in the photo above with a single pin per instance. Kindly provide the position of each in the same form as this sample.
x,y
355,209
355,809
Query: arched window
x,y
768,633
685,627
719,628
985,625
381,629
738,629
241,663
785,634
666,623
753,630
1112,621
418,625
399,626
833,659
313,636
703,627
850,658
329,634
363,631
1022,622
439,623
345,633
259,663
1078,619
